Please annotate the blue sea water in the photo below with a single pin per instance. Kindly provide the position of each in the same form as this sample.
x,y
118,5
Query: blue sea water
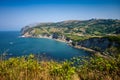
x,y
11,43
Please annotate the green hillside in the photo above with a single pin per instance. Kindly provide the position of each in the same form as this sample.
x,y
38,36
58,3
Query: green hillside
x,y
86,27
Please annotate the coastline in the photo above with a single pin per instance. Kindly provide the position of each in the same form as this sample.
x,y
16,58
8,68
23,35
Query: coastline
x,y
60,40
96,53
53,39
93,52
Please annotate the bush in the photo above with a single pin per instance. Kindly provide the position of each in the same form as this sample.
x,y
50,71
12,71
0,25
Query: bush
x,y
80,68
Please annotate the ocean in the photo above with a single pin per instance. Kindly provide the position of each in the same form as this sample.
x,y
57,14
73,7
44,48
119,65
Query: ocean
x,y
15,46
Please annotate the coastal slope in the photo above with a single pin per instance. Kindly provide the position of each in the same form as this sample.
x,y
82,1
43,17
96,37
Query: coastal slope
x,y
97,34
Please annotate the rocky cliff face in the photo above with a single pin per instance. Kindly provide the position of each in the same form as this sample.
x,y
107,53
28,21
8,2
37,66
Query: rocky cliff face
x,y
98,44
25,29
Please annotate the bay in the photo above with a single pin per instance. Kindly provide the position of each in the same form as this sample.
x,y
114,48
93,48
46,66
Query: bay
x,y
11,43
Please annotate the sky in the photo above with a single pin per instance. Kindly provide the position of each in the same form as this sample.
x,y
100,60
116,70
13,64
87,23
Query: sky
x,y
15,14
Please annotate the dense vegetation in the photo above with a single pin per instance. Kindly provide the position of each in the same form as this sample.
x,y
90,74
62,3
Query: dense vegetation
x,y
80,68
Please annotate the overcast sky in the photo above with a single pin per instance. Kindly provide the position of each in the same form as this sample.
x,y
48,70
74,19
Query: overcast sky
x,y
15,14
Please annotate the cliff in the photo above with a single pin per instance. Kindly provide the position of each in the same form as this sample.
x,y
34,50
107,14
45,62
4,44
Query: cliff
x,y
103,44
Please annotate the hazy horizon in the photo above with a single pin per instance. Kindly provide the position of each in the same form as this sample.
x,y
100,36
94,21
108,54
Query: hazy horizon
x,y
16,14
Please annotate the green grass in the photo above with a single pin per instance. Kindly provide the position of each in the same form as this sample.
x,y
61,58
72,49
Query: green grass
x,y
76,37
29,68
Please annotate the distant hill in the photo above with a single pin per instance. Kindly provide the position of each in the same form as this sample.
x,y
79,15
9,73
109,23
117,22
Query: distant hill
x,y
83,27
101,35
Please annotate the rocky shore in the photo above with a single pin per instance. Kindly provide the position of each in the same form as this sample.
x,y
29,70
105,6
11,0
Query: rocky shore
x,y
96,45
69,42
